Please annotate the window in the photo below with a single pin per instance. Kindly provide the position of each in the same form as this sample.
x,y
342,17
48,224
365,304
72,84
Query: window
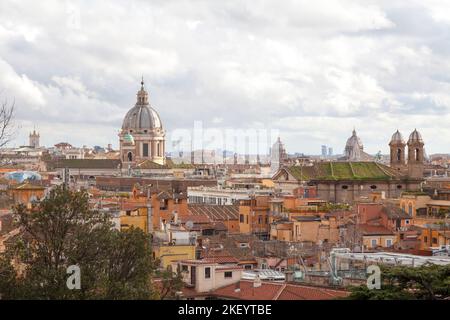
x,y
406,221
163,204
228,274
388,243
248,267
345,187
241,218
410,209
373,187
425,239
145,150
246,219
399,186
207,273
374,243
260,219
435,240
184,268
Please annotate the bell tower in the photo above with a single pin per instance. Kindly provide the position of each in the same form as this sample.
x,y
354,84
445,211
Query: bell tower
x,y
34,139
398,152
416,155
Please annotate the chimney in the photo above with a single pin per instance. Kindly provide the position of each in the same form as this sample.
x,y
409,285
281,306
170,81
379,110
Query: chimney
x,y
149,218
257,282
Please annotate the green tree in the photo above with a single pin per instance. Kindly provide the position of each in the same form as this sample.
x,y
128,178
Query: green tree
x,y
61,231
171,283
427,282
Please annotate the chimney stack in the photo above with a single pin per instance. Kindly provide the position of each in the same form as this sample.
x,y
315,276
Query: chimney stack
x,y
257,282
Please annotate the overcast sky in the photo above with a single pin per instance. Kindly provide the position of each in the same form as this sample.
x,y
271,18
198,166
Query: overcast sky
x,y
311,69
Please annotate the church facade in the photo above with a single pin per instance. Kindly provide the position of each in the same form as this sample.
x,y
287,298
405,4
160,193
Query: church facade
x,y
142,137
277,156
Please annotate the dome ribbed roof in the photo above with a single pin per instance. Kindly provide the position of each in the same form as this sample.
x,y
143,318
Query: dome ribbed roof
x,y
415,136
141,116
397,137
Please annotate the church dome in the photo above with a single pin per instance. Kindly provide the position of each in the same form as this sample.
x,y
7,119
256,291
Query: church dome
x,y
397,138
354,141
415,136
141,117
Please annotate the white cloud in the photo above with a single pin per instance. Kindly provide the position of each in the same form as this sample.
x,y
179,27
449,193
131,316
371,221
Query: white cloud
x,y
312,69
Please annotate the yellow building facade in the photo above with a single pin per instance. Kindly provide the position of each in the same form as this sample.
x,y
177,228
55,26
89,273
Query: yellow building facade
x,y
137,218
168,254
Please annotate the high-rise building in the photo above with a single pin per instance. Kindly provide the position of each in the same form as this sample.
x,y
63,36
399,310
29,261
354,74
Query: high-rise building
x,y
330,152
324,151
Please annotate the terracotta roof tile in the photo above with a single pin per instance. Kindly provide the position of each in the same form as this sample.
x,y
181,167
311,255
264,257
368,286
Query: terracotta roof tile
x,y
368,230
277,291
216,212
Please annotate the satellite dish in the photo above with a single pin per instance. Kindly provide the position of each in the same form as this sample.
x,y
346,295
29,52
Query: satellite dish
x,y
189,225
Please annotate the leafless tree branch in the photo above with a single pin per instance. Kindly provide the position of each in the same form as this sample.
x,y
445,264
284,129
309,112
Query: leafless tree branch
x,y
7,128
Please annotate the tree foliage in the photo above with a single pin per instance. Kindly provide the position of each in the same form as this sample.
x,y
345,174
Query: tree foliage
x,y
428,282
62,231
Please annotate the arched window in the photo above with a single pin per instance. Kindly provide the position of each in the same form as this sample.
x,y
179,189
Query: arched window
x,y
404,207
158,148
130,156
399,154
410,208
416,154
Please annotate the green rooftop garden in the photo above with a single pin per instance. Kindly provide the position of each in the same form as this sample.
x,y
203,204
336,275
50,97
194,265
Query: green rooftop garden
x,y
342,171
